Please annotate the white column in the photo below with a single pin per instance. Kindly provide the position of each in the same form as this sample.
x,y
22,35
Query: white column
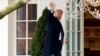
x,y
3,31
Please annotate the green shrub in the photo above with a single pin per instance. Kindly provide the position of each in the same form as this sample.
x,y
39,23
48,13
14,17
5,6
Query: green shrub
x,y
38,38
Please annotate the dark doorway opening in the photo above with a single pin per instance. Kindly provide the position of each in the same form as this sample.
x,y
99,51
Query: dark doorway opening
x,y
92,37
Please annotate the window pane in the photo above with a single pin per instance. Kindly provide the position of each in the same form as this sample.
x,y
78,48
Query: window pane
x,y
21,47
68,25
79,24
78,12
21,13
68,53
73,6
79,40
78,54
31,28
32,11
29,46
73,40
21,29
73,24
78,1
68,39
73,53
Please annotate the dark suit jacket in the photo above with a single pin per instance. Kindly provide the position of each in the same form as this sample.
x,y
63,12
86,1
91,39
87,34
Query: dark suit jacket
x,y
52,42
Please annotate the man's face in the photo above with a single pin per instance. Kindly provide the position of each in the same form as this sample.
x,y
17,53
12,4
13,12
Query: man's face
x,y
58,14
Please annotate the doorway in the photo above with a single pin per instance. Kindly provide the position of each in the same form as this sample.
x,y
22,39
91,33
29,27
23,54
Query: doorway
x,y
91,35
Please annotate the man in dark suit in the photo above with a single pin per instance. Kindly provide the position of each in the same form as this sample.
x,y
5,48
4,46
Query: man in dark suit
x,y
53,44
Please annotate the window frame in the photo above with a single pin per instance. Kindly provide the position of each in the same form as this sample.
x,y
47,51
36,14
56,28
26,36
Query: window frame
x,y
12,32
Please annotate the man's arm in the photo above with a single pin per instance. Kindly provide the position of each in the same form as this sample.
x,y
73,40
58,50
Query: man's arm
x,y
51,11
52,6
62,37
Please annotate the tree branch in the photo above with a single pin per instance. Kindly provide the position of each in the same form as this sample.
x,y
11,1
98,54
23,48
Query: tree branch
x,y
17,4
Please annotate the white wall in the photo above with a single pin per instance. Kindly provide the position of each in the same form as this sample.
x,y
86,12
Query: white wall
x,y
3,31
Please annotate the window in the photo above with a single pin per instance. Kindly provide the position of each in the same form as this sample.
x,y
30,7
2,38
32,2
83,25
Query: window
x,y
26,22
74,27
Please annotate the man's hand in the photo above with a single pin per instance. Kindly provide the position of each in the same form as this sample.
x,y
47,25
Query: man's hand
x,y
65,42
52,5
